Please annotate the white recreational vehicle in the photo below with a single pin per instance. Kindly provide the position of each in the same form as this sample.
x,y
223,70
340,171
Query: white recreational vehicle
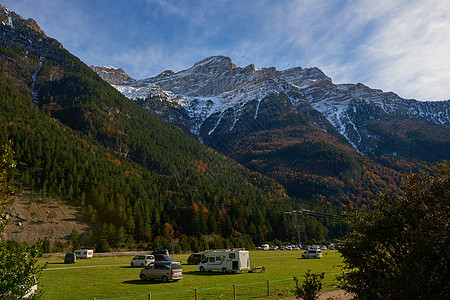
x,y
226,261
84,253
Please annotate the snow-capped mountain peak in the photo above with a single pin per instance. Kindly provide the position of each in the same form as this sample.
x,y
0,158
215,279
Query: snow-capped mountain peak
x,y
215,89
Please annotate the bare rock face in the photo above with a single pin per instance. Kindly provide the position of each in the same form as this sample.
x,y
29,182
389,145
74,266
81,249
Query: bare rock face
x,y
112,75
15,30
217,100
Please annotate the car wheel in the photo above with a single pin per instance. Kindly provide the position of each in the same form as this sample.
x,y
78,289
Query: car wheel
x,y
165,279
142,265
132,264
202,269
224,270
143,278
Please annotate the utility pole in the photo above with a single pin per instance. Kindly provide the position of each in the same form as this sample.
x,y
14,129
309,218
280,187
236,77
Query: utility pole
x,y
299,228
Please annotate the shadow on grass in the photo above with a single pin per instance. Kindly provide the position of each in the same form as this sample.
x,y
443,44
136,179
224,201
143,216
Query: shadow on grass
x,y
145,282
60,263
210,273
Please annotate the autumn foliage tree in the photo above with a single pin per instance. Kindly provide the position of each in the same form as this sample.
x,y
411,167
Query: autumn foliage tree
x,y
400,250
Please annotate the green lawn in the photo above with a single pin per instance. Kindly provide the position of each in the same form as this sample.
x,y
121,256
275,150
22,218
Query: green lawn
x,y
113,278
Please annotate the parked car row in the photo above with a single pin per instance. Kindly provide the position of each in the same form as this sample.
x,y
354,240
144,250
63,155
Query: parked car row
x,y
287,247
321,247
160,265
295,247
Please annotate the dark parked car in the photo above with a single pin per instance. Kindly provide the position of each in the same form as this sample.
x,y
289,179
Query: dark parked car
x,y
161,251
163,257
70,258
195,258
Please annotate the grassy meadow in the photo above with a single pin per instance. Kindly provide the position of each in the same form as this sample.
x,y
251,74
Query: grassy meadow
x,y
113,278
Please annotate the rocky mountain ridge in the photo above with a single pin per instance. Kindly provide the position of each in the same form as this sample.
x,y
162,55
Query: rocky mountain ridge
x,y
25,33
112,75
200,97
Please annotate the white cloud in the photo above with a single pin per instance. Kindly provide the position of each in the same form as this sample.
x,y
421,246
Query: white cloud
x,y
401,46
410,53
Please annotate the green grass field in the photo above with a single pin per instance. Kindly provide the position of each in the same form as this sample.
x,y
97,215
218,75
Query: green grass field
x,y
113,278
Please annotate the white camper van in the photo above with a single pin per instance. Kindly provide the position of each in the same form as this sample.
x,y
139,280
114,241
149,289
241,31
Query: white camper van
x,y
84,253
226,261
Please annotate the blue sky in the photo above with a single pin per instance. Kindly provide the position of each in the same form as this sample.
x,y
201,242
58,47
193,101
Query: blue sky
x,y
394,45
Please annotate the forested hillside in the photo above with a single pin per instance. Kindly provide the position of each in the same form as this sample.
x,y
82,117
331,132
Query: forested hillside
x,y
329,143
135,178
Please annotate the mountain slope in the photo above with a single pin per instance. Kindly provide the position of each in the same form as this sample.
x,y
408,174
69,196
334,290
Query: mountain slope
x,y
299,128
215,87
130,173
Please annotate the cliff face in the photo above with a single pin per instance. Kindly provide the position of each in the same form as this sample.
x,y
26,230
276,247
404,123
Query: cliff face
x,y
297,126
215,99
25,33
112,75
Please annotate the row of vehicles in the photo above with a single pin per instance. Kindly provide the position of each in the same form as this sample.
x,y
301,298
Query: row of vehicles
x,y
287,247
313,251
145,259
225,261
160,265
296,247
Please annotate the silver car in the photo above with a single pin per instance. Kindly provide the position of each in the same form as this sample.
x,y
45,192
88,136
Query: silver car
x,y
312,253
164,270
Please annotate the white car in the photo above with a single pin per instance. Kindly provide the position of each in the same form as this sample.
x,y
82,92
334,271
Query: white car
x,y
264,247
32,291
142,260
312,253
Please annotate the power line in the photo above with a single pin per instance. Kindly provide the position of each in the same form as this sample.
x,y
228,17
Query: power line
x,y
316,214
299,228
